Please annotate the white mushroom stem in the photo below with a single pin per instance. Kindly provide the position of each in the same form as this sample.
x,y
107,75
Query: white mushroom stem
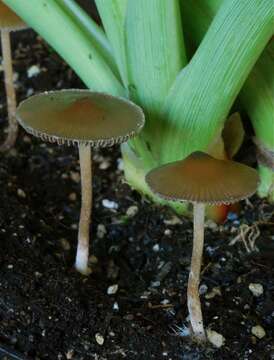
x,y
193,299
81,263
10,91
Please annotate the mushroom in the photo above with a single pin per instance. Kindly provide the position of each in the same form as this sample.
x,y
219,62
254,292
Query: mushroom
x,y
9,21
201,179
87,119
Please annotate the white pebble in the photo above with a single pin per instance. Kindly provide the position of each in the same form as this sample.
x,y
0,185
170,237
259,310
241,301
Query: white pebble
x,y
33,71
132,211
21,193
256,289
215,338
101,231
72,196
110,204
173,221
120,164
112,289
99,339
258,331
215,291
75,176
116,306
203,289
156,248
104,165
70,354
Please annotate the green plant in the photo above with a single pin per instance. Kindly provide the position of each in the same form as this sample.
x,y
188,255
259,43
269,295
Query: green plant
x,y
256,96
142,55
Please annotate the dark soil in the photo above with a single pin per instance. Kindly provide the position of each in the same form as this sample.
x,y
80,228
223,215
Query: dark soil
x,y
48,311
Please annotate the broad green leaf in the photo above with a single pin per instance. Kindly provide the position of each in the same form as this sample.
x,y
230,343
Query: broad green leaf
x,y
112,13
96,33
256,95
155,54
205,90
67,37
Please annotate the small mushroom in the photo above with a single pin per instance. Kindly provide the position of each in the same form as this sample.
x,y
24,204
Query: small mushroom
x,y
9,21
201,179
87,119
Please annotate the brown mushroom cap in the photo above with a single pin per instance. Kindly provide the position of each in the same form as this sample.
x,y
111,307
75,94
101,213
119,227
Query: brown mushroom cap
x,y
80,116
204,179
9,20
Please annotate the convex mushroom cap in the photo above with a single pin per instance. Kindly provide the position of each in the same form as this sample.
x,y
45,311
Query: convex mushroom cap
x,y
203,179
9,20
80,117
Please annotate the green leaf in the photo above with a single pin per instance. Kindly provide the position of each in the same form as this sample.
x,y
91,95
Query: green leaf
x,y
256,95
155,50
204,92
112,13
64,33
94,31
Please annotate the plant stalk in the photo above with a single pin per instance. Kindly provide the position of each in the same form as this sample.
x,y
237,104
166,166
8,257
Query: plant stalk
x,y
205,90
81,263
193,298
256,95
57,24
10,91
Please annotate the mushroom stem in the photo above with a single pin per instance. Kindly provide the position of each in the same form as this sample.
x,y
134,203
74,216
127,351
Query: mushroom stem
x,y
193,299
81,263
10,91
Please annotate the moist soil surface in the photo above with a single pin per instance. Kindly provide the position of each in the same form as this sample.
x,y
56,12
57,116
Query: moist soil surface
x,y
133,305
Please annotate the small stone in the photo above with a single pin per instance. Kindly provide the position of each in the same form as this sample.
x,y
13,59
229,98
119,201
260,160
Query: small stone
x,y
258,331
155,283
21,193
210,224
168,232
173,221
27,139
116,306
110,204
101,231
72,196
120,164
215,291
75,176
34,70
232,216
132,211
69,354
99,339
92,260
30,91
104,165
215,338
65,244
156,248
203,289
256,289
112,289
